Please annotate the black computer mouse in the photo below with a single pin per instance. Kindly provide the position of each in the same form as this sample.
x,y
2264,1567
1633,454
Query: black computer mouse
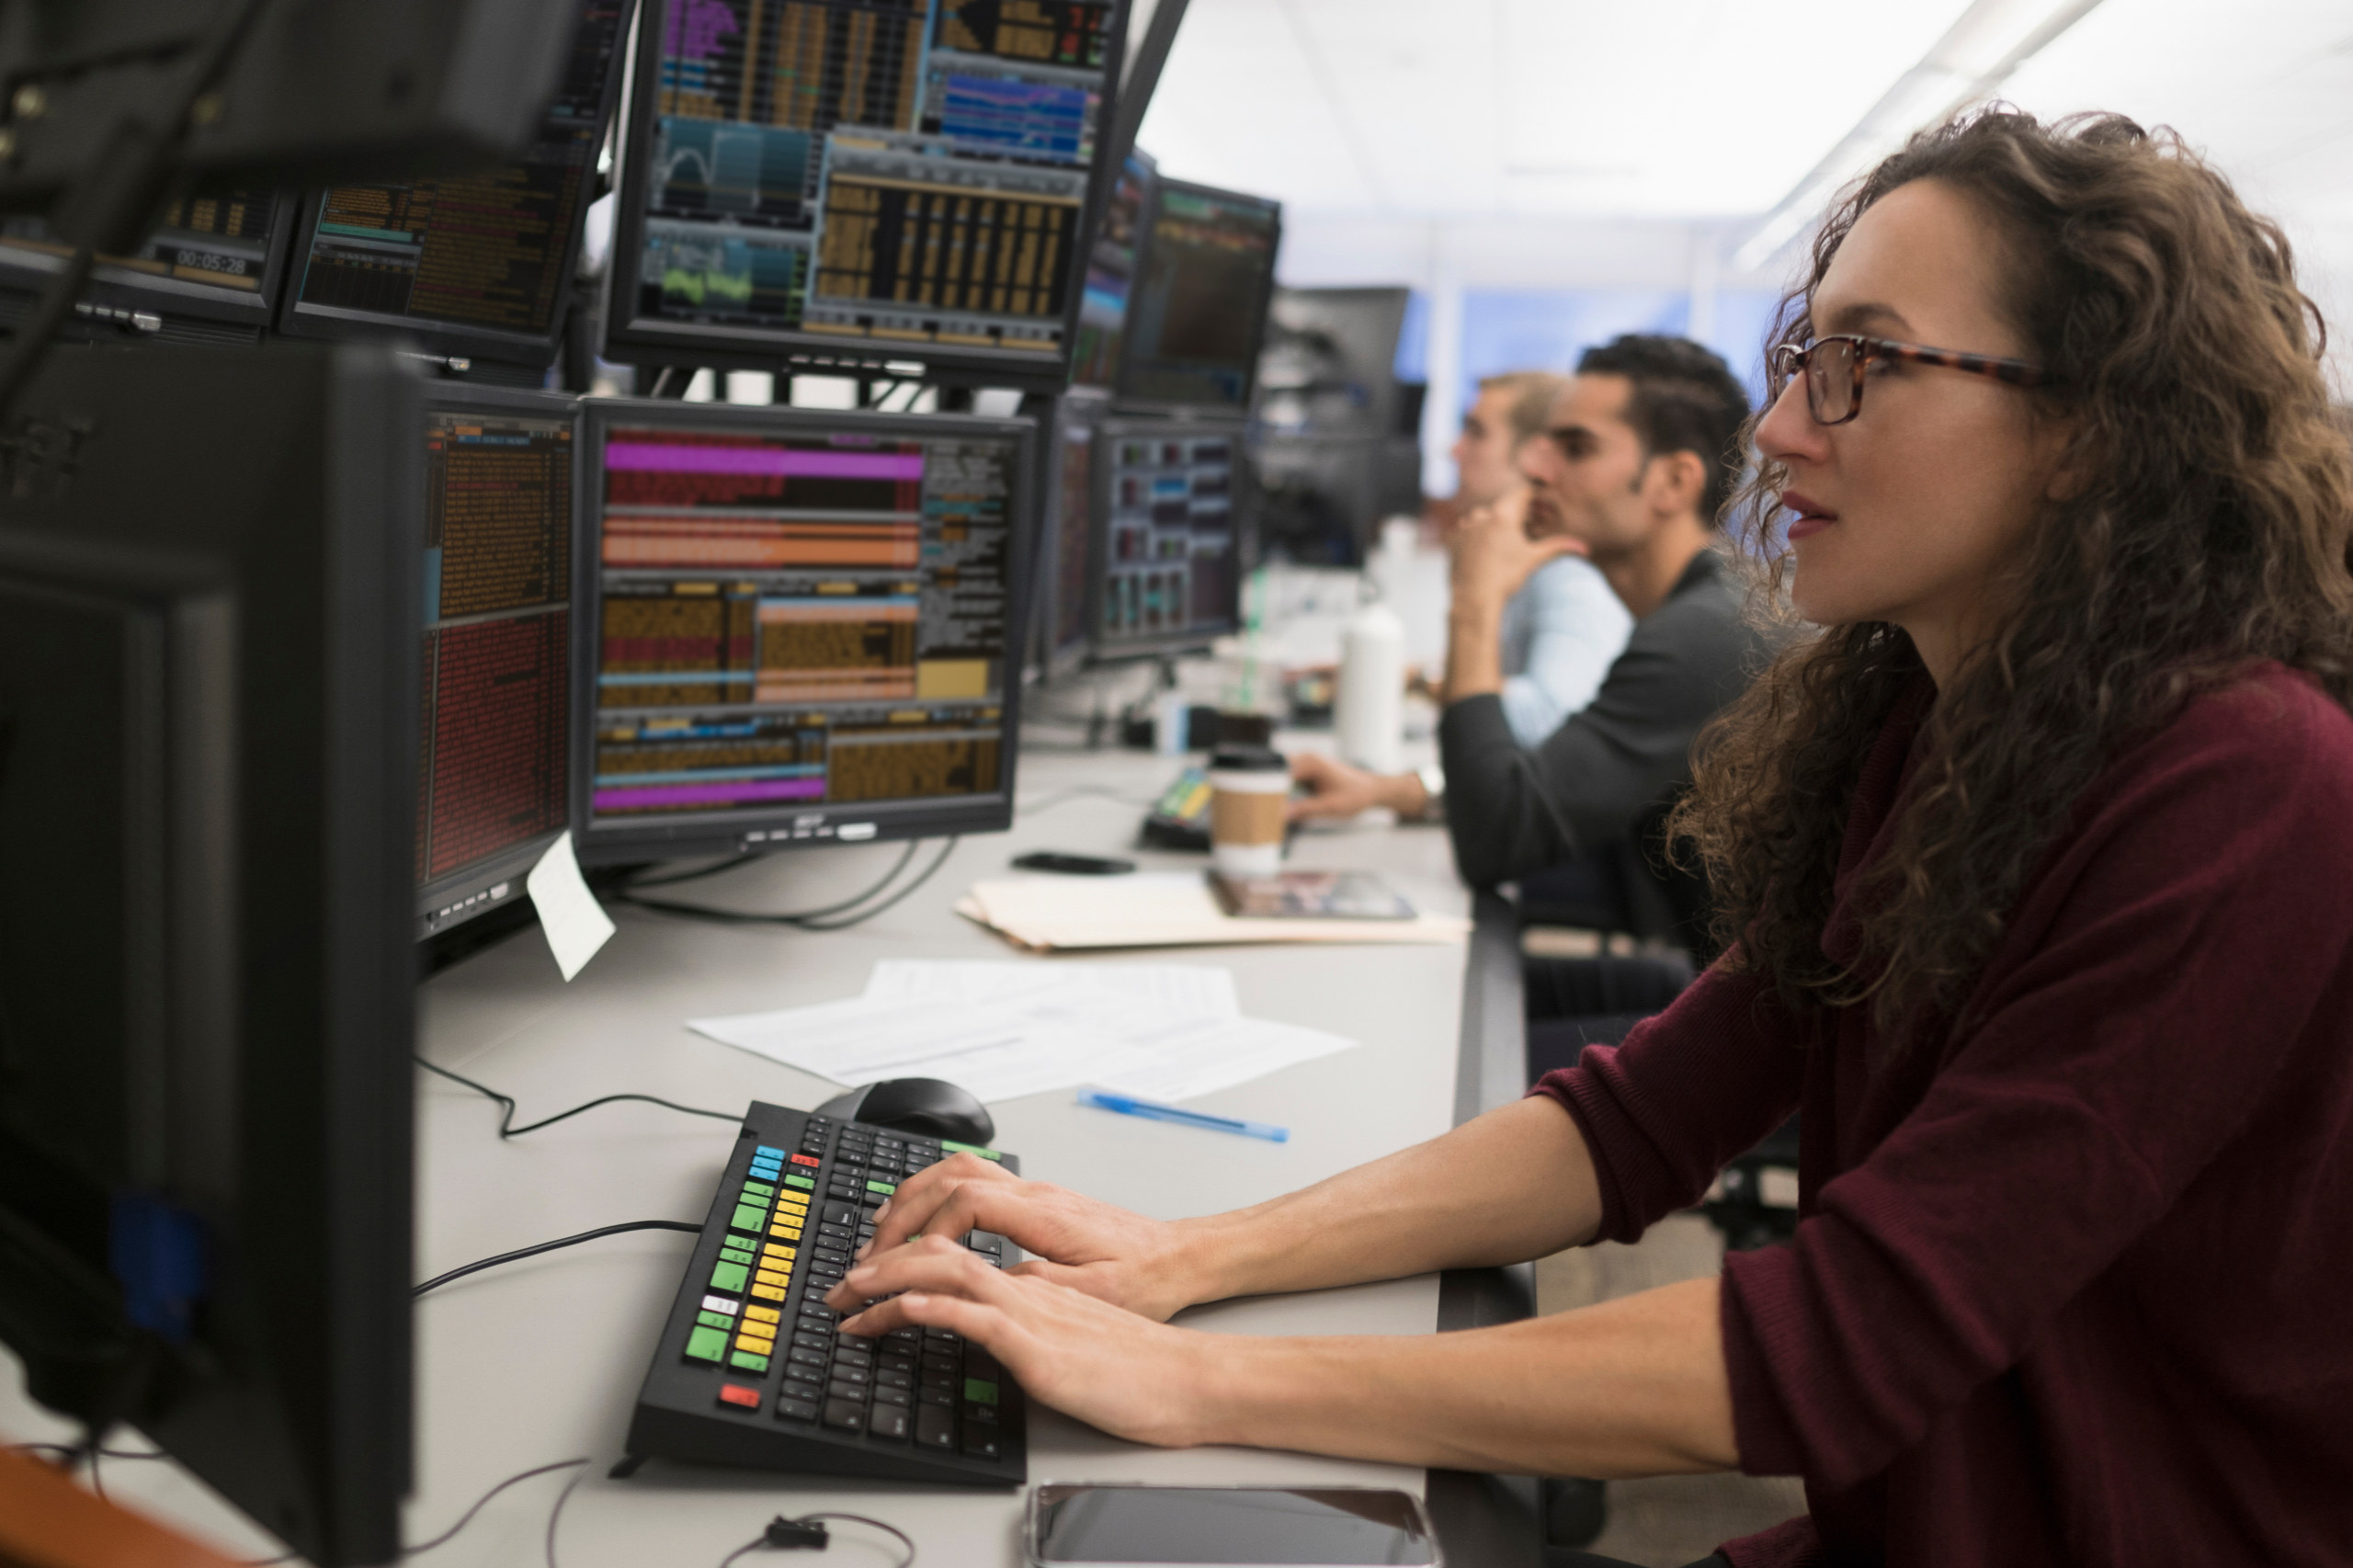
x,y
932,1107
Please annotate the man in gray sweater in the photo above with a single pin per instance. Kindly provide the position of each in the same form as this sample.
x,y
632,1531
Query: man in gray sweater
x,y
1640,455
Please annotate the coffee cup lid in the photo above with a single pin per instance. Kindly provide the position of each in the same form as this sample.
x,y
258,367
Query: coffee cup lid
x,y
1247,759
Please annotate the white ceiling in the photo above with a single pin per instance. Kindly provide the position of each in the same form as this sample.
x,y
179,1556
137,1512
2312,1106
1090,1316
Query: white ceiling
x,y
1538,107
1398,117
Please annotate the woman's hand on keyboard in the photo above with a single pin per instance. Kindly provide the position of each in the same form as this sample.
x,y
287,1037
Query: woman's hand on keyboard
x,y
1134,1379
1146,1266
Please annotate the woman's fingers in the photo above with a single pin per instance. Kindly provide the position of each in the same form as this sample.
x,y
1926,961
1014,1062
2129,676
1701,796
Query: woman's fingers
x,y
934,1263
911,1208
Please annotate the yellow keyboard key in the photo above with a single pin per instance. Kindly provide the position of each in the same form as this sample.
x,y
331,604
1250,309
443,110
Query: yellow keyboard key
x,y
768,1292
763,1314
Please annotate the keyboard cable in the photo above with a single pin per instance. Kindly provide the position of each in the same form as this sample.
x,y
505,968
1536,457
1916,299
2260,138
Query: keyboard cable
x,y
806,919
506,1128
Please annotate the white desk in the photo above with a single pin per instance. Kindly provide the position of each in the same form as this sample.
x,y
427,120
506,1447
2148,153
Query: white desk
x,y
541,1360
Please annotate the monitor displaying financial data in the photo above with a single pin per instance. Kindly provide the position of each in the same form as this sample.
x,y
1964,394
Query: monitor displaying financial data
x,y
1167,534
861,182
1198,310
495,760
476,266
801,627
215,262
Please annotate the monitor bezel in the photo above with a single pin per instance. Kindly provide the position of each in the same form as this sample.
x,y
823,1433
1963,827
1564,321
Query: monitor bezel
x,y
1090,406
1150,168
797,827
633,339
113,286
452,889
449,340
1101,652
1127,401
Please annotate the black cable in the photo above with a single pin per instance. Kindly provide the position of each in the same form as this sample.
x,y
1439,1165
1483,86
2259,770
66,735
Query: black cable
x,y
506,1128
727,865
557,1512
1086,791
626,893
787,1533
806,920
479,1502
440,1279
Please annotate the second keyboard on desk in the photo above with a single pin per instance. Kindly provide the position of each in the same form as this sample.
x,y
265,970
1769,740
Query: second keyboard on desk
x,y
752,1368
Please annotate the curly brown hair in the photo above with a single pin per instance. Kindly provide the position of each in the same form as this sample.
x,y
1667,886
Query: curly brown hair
x,y
2212,530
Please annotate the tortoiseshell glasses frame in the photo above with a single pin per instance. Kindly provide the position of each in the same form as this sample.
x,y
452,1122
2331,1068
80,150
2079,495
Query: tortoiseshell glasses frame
x,y
1834,369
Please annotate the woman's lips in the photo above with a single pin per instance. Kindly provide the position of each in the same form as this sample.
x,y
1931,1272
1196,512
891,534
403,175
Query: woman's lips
x,y
1811,516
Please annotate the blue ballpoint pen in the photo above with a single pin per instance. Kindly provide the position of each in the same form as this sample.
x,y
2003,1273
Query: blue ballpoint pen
x,y
1127,1105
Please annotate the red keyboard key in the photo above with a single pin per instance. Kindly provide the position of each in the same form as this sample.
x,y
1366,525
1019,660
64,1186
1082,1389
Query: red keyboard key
x,y
737,1393
810,1160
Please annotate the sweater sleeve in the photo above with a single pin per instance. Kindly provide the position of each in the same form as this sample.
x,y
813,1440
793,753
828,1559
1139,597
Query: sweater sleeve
x,y
1575,629
2155,978
1688,1092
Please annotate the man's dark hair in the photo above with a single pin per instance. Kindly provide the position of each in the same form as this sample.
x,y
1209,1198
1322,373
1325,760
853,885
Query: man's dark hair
x,y
1684,399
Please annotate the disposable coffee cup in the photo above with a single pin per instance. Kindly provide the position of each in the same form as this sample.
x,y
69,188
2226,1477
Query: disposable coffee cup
x,y
1249,787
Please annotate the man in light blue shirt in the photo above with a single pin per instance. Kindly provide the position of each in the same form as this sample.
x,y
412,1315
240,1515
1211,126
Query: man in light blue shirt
x,y
1565,628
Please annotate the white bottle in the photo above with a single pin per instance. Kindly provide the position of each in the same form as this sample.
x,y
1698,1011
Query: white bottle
x,y
1371,711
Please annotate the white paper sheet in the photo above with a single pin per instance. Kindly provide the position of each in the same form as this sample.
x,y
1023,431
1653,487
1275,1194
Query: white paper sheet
x,y
1062,1030
1191,989
576,924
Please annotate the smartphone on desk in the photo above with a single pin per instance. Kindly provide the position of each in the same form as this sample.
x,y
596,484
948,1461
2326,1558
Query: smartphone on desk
x,y
1073,1526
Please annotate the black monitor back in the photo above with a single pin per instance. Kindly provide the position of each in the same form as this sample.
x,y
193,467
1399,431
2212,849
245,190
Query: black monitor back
x,y
208,689
208,273
1330,363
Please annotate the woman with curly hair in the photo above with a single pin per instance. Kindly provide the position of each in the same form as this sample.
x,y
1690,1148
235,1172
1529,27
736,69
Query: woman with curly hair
x,y
2035,859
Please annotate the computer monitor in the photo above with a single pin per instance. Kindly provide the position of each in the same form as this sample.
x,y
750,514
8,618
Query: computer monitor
x,y
1330,363
1199,308
1110,272
1066,559
207,736
797,626
210,273
1170,513
494,760
862,186
474,267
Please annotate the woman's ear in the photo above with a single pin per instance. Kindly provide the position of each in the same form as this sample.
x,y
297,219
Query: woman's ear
x,y
2069,464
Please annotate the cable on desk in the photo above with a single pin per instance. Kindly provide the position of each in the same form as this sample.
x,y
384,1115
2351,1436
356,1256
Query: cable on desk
x,y
479,1502
1082,792
808,1530
506,1128
623,893
460,1273
807,919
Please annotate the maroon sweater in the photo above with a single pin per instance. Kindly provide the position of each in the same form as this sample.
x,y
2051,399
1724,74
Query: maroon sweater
x,y
2078,1287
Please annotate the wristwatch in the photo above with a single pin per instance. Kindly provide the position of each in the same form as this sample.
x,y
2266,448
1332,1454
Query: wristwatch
x,y
1433,779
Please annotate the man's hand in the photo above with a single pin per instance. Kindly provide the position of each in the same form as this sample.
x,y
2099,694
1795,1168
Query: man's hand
x,y
1491,554
1336,789
1107,1251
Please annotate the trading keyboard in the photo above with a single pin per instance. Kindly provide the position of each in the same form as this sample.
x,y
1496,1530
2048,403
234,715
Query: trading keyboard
x,y
750,1370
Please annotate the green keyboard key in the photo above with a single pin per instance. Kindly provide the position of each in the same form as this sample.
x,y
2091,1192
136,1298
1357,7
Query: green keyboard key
x,y
749,1217
884,1188
802,1182
738,1253
730,1277
707,1345
759,1190
748,1361
719,1321
955,1148
980,1391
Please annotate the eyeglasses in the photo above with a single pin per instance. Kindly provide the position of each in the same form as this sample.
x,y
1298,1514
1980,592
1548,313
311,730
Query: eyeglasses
x,y
1834,366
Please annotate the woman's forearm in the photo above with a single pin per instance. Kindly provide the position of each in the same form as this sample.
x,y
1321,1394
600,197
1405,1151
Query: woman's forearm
x,y
1631,1387
1514,1184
